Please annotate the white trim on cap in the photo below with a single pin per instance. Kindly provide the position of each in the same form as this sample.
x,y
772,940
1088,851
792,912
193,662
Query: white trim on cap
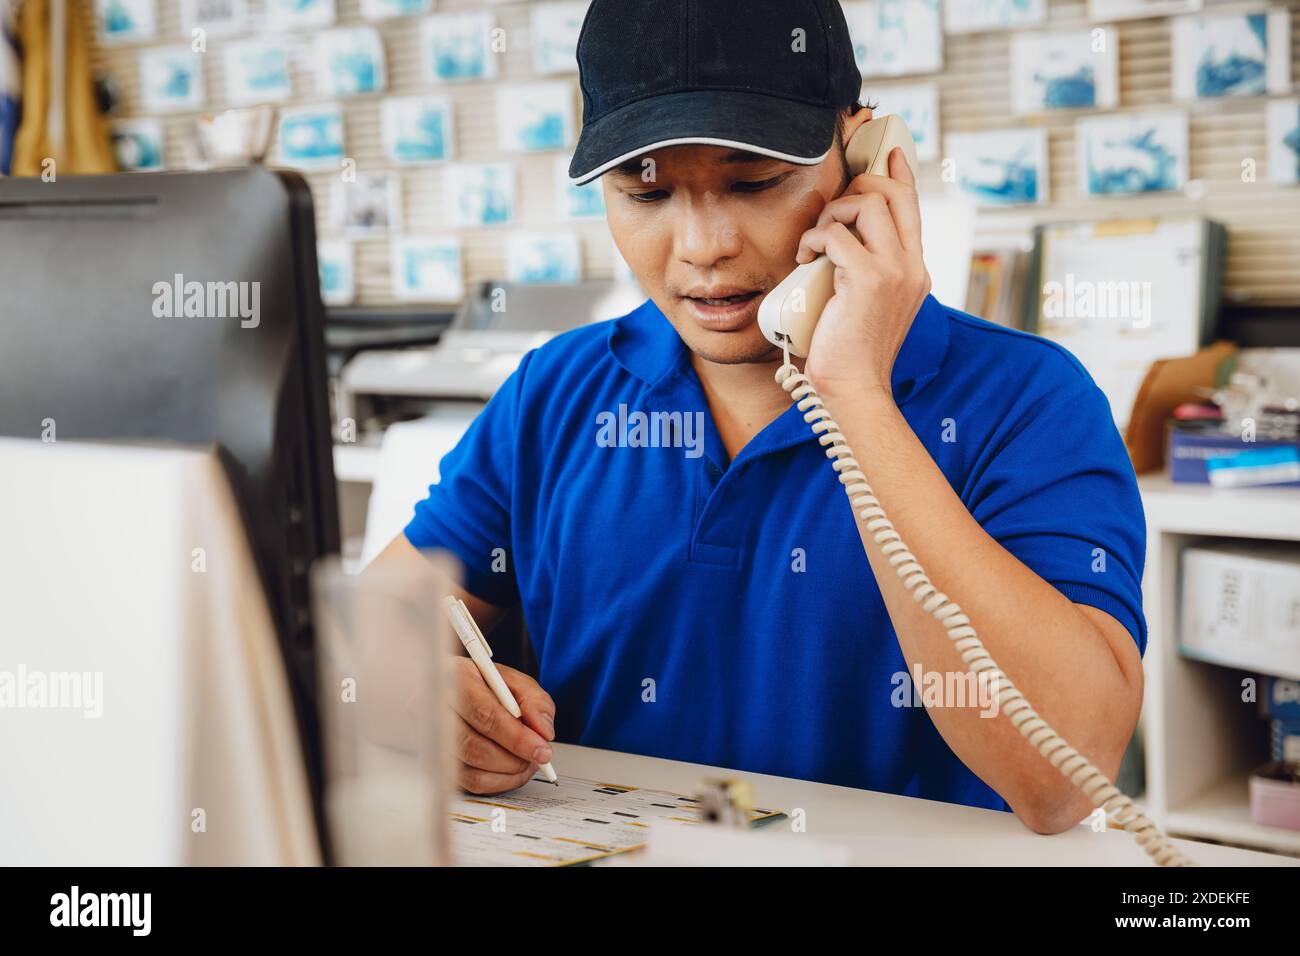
x,y
701,141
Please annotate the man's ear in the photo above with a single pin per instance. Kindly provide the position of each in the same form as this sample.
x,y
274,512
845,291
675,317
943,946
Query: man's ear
x,y
856,121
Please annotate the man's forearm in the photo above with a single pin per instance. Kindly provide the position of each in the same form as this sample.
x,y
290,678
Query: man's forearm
x,y
1040,639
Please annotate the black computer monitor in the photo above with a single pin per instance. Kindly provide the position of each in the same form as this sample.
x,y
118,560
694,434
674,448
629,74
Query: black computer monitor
x,y
185,307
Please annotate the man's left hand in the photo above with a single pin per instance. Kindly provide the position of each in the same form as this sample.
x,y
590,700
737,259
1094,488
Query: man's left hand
x,y
880,280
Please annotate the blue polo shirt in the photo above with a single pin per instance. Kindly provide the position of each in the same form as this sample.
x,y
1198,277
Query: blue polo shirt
x,y
719,611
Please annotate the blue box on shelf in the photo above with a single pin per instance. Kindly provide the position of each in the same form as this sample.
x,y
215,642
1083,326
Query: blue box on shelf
x,y
1191,449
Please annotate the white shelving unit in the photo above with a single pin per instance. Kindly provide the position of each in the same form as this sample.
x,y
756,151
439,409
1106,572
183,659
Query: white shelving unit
x,y
1201,739
356,463
355,466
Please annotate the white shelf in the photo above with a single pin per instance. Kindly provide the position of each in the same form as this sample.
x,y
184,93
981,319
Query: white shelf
x,y
357,463
1199,733
1223,813
1272,513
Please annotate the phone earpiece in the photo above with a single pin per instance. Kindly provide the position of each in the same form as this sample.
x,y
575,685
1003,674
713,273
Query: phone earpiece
x,y
789,312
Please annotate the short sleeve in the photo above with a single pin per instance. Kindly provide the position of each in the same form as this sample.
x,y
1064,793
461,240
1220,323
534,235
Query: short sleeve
x,y
1058,491
467,512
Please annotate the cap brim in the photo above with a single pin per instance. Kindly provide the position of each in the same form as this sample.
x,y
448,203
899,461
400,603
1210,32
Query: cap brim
x,y
768,125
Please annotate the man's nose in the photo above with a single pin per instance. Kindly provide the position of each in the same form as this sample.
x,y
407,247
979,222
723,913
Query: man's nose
x,y
706,233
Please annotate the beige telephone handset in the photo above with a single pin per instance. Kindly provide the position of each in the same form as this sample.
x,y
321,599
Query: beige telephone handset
x,y
787,317
792,309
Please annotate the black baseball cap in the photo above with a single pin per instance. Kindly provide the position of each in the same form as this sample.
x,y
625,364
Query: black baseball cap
x,y
766,76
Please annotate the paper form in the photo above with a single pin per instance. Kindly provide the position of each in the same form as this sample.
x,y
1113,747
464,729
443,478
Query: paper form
x,y
577,822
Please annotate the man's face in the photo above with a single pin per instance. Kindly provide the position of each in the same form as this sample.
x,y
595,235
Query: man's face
x,y
708,230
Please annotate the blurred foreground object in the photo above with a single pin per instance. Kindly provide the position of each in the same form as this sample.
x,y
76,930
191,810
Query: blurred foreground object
x,y
385,709
728,837
195,307
726,802
147,717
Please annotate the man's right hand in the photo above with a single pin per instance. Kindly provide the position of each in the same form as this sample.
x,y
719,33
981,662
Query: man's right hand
x,y
495,751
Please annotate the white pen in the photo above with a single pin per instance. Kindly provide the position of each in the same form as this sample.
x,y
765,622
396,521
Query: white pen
x,y
481,654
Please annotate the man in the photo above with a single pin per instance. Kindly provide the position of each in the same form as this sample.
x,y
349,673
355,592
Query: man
x,y
715,600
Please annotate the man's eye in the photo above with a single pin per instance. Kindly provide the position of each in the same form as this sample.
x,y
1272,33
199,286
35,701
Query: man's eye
x,y
758,186
648,197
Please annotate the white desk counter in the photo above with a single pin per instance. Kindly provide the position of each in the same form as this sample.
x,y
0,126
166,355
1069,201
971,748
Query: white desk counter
x,y
888,830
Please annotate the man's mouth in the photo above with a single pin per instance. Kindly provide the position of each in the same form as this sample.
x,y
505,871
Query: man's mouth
x,y
723,308
723,300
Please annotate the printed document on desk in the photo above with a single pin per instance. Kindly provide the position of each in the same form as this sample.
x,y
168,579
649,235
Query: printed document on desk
x,y
577,822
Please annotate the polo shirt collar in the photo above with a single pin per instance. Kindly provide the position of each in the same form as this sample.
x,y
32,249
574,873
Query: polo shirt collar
x,y
645,343
923,352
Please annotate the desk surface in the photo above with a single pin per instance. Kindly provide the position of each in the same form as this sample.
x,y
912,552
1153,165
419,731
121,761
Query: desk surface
x,y
888,830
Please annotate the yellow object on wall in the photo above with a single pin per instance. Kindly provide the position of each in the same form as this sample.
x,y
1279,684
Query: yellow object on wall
x,y
60,119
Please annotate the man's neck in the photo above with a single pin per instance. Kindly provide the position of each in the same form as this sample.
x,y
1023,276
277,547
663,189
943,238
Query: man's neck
x,y
743,398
